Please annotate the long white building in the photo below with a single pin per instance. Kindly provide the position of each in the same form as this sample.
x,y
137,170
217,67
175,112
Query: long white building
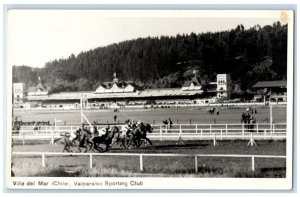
x,y
122,92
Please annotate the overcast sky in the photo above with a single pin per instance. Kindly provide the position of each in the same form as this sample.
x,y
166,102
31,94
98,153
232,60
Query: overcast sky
x,y
38,36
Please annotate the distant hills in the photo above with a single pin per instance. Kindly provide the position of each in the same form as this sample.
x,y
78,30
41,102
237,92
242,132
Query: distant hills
x,y
248,55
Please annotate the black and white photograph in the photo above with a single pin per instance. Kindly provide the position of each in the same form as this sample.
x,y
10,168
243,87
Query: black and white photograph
x,y
149,99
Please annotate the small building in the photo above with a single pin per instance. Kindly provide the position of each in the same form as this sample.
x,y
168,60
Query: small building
x,y
18,93
276,90
116,87
193,85
223,86
39,90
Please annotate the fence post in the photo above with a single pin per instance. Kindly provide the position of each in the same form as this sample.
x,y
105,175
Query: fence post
x,y
180,141
221,134
226,129
251,141
43,160
243,131
201,134
256,128
252,164
52,138
160,131
141,163
215,140
196,128
265,134
23,138
180,130
196,164
91,160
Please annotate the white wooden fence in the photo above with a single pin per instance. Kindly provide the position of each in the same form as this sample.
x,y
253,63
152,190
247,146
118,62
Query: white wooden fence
x,y
177,131
142,155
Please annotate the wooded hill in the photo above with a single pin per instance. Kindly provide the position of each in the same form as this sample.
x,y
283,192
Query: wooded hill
x,y
248,55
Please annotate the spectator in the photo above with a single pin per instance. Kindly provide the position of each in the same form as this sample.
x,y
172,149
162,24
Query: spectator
x,y
170,123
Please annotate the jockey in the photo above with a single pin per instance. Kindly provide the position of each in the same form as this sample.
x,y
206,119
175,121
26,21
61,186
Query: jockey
x,y
104,130
126,129
72,135
83,126
94,130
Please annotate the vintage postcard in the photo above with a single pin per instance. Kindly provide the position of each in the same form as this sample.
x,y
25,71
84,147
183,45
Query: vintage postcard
x,y
149,99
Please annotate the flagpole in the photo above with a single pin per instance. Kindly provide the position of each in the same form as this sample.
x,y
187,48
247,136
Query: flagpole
x,y
271,113
81,118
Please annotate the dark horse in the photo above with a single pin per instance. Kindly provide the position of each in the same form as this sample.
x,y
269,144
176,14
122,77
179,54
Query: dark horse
x,y
107,139
248,121
139,134
82,140
211,111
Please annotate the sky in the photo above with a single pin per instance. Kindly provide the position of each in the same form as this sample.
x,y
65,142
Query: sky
x,y
35,37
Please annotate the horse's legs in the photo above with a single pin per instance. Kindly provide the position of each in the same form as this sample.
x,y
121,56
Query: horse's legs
x,y
129,142
148,140
123,143
78,147
65,148
137,142
107,147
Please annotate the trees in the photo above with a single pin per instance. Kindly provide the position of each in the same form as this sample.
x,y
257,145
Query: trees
x,y
160,61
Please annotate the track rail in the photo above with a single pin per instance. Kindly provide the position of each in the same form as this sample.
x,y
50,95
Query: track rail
x,y
177,131
142,155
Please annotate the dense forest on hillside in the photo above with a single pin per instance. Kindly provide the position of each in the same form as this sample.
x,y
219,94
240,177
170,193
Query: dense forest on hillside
x,y
248,55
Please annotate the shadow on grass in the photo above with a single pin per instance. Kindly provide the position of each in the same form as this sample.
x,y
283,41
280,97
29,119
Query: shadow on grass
x,y
159,147
59,173
115,171
279,172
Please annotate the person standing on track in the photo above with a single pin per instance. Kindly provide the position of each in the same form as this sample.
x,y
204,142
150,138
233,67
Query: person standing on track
x,y
170,123
115,118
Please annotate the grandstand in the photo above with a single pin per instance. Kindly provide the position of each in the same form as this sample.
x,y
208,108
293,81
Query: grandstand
x,y
119,94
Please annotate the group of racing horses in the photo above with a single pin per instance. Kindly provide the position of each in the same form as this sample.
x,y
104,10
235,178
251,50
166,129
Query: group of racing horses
x,y
134,136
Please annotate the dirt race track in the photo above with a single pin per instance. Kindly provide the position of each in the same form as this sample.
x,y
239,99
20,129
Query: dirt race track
x,y
125,166
196,115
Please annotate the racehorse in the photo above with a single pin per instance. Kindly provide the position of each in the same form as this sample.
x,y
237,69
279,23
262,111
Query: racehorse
x,y
82,140
65,140
248,121
140,133
107,139
211,111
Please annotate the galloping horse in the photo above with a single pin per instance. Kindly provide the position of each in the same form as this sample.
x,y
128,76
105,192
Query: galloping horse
x,y
140,133
65,140
86,140
107,139
248,121
211,111
82,140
